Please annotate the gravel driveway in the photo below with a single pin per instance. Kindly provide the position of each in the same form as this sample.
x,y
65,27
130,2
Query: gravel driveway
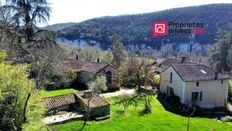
x,y
121,92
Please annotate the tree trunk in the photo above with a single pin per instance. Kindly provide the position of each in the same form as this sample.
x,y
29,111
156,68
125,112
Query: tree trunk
x,y
25,108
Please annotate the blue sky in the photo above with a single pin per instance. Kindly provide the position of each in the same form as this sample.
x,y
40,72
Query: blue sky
x,y
80,10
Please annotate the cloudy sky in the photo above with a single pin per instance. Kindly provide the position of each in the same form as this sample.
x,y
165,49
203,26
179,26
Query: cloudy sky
x,y
80,10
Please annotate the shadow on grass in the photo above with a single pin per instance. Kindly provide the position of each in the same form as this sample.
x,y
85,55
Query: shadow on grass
x,y
177,108
169,105
144,112
120,112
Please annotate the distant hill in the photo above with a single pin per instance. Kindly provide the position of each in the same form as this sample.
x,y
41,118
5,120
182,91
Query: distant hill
x,y
136,30
61,26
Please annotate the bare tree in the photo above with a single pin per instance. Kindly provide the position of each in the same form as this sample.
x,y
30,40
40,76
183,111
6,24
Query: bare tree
x,y
137,72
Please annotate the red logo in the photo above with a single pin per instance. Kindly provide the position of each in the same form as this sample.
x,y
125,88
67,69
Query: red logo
x,y
159,28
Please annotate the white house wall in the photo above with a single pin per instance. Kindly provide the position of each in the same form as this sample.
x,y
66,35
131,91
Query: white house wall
x,y
214,93
177,83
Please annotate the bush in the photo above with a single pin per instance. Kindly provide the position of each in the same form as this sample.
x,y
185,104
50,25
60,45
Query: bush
x,y
226,119
99,84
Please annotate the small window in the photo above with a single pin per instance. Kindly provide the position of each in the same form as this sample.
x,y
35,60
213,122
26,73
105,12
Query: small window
x,y
170,78
167,90
197,96
197,84
194,96
221,81
170,91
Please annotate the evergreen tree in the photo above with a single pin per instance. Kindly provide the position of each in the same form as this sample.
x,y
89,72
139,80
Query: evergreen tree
x,y
25,14
219,56
118,50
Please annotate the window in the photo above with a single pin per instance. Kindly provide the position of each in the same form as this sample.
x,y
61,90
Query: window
x,y
170,91
197,96
194,96
108,77
221,81
197,84
200,99
167,90
170,78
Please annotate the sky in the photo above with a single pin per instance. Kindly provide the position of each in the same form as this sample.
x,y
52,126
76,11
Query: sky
x,y
79,10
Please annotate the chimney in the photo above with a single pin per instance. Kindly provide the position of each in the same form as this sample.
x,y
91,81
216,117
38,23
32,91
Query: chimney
x,y
87,94
215,75
98,60
77,57
183,59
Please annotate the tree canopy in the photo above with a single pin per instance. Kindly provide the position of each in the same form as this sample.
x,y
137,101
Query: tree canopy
x,y
221,53
15,92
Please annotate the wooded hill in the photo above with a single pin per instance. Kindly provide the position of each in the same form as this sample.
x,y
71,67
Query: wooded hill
x,y
136,30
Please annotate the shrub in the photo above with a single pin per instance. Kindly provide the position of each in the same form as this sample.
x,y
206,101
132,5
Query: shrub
x,y
226,119
98,85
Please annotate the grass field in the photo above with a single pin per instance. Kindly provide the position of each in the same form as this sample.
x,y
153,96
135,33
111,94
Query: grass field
x,y
45,93
135,120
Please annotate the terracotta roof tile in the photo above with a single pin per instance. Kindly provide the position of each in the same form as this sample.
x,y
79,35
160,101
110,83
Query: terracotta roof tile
x,y
58,101
166,62
68,99
93,67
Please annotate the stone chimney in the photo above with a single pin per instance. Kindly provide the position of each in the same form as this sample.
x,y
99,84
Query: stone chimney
x,y
87,94
215,75
183,59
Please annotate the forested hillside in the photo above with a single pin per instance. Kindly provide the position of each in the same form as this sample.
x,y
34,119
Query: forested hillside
x,y
136,30
57,27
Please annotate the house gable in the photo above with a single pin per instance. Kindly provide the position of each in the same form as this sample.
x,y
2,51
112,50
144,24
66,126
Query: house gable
x,y
109,68
186,81
177,84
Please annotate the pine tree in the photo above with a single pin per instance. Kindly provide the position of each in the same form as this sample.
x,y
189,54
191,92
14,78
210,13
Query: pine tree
x,y
219,56
118,50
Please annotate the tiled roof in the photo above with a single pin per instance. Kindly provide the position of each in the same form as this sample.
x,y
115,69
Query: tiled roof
x,y
58,101
197,72
166,62
96,100
68,99
72,64
93,67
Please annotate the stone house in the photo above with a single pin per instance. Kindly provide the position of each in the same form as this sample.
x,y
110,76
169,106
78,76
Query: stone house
x,y
88,71
78,102
195,84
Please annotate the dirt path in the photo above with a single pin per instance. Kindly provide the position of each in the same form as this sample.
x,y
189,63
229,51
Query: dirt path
x,y
121,92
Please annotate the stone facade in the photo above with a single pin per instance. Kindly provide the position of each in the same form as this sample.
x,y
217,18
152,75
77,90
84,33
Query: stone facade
x,y
78,102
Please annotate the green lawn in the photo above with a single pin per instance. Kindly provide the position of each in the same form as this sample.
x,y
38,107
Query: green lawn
x,y
45,93
158,120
